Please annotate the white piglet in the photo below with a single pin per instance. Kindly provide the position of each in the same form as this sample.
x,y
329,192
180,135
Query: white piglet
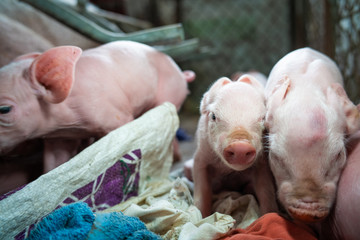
x,y
308,118
229,143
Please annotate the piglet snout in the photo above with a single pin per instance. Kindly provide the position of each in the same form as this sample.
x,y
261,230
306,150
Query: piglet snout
x,y
240,153
311,207
308,211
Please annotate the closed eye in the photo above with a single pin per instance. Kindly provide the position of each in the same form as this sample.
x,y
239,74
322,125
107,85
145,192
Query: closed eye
x,y
337,163
339,157
279,164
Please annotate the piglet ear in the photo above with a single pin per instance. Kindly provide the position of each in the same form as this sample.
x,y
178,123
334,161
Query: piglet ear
x,y
53,72
276,98
337,95
253,81
208,96
204,103
219,83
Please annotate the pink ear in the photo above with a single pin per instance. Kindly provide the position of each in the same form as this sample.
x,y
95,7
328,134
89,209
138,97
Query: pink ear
x,y
276,98
245,78
54,70
253,81
282,87
204,103
219,83
351,111
208,96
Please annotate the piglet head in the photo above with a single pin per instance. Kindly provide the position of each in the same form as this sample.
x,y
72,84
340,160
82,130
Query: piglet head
x,y
234,113
307,148
27,85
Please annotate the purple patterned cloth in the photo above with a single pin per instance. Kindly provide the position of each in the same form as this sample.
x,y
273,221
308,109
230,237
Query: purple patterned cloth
x,y
117,184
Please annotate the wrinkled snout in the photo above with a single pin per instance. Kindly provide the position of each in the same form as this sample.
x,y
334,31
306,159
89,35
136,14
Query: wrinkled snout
x,y
242,153
308,210
309,203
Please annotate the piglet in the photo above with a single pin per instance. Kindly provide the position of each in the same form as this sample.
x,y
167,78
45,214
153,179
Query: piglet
x,y
70,97
308,118
229,154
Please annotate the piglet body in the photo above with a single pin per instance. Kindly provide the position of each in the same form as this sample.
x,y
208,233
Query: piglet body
x,y
308,118
229,143
69,97
342,223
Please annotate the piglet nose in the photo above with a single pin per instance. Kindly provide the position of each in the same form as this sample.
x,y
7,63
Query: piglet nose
x,y
240,153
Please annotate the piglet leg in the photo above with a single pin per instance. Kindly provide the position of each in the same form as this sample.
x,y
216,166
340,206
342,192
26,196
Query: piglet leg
x,y
59,151
202,185
265,187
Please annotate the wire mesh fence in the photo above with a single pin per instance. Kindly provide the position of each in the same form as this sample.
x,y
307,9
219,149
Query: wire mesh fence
x,y
241,36
333,27
347,52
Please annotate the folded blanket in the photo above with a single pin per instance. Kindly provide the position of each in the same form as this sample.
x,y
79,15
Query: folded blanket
x,y
69,222
77,221
269,227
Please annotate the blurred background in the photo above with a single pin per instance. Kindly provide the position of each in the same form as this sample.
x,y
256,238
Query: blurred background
x,y
243,35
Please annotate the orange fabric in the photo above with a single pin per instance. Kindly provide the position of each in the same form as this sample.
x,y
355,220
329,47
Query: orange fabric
x,y
269,227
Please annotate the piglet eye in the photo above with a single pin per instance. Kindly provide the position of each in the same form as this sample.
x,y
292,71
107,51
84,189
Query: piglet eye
x,y
213,117
5,109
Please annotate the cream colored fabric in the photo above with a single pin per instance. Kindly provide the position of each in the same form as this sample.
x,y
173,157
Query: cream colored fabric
x,y
167,209
243,208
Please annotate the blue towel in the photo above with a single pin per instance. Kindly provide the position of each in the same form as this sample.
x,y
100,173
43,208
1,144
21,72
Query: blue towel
x,y
77,221
116,225
73,221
